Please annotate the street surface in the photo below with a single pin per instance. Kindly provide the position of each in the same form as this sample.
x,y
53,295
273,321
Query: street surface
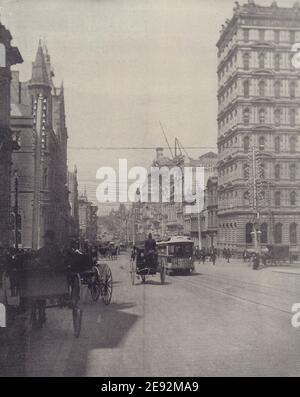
x,y
225,320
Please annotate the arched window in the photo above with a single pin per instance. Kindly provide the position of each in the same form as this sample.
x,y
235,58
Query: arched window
x,y
292,89
277,62
293,172
264,233
278,233
246,88
293,198
249,230
261,143
246,116
246,60
245,171
262,115
293,233
292,117
277,144
293,143
277,171
2,56
277,116
277,199
246,198
262,88
277,89
246,144
261,60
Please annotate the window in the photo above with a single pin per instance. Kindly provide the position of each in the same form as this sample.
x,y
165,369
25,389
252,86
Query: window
x,y
45,178
245,171
249,230
278,233
246,59
246,88
246,35
261,115
277,199
277,144
277,171
264,233
293,233
261,60
277,116
292,89
277,88
262,88
292,37
261,143
2,55
293,171
246,144
261,35
246,116
293,198
277,62
292,117
293,143
277,36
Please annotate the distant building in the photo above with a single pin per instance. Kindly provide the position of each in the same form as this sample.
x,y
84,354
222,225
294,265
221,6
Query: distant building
x,y
88,221
74,205
9,56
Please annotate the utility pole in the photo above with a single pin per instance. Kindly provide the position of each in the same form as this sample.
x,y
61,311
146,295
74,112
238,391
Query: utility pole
x,y
198,203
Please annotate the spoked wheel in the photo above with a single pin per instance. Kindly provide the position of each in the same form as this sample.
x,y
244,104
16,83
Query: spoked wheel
x,y
106,284
95,286
5,288
38,315
162,274
132,272
77,318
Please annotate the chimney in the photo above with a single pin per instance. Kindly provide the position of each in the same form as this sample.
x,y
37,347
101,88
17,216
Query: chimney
x,y
159,153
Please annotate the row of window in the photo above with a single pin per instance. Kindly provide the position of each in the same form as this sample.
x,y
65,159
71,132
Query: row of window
x,y
277,144
277,233
277,116
262,35
261,89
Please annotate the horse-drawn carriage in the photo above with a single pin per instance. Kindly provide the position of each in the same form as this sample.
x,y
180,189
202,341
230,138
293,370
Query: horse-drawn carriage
x,y
146,264
57,284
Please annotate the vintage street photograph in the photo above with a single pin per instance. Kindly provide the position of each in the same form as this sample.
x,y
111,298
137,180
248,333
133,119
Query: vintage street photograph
x,y
149,190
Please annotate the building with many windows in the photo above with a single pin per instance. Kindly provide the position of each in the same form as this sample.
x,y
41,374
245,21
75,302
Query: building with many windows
x,y
258,127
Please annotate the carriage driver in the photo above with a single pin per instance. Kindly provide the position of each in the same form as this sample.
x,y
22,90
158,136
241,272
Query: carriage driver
x,y
150,248
50,254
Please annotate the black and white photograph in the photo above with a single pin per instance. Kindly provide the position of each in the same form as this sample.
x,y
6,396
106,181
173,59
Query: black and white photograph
x,y
149,191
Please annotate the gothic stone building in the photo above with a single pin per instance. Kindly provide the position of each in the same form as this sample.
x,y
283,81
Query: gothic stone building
x,y
9,56
259,96
38,114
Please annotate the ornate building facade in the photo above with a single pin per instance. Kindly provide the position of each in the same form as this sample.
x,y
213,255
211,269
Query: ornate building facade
x,y
9,56
38,115
258,127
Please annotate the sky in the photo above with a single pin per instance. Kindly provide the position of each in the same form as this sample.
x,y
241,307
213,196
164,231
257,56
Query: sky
x,y
127,66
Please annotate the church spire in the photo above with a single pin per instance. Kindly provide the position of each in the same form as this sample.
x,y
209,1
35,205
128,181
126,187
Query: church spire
x,y
39,68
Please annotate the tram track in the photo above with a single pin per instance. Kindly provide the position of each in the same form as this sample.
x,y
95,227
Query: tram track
x,y
200,285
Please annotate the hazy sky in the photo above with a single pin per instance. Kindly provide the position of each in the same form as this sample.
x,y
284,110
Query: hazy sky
x,y
126,65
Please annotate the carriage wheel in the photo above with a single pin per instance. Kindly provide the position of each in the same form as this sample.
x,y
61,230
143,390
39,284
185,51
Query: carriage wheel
x,y
5,288
95,286
77,319
163,274
75,294
132,272
106,284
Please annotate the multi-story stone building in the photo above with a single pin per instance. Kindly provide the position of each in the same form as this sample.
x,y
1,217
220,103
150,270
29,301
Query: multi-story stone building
x,y
9,56
38,115
88,221
74,204
259,97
